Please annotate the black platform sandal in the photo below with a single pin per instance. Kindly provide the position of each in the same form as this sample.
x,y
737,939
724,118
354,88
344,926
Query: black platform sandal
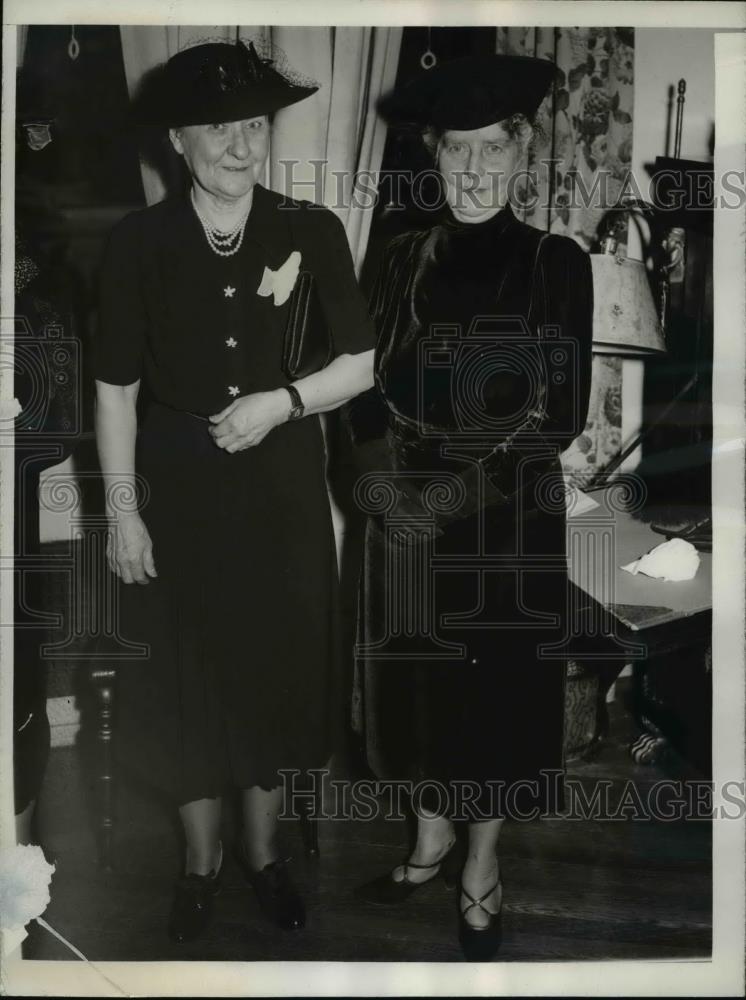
x,y
480,944
386,891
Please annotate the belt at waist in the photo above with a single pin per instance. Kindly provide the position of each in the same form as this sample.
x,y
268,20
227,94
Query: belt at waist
x,y
175,409
423,442
430,437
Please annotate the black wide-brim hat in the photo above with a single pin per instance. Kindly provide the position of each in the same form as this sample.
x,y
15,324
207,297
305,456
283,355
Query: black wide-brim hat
x,y
471,93
221,82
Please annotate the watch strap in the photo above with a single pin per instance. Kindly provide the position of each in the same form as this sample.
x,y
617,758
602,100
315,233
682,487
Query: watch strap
x,y
297,406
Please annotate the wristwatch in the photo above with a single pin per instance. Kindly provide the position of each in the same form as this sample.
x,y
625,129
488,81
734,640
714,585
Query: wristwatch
x,y
297,408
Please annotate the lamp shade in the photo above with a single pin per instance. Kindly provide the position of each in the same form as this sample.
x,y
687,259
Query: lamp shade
x,y
625,321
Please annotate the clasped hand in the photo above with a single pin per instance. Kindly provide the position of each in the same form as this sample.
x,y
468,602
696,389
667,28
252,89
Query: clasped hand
x,y
249,419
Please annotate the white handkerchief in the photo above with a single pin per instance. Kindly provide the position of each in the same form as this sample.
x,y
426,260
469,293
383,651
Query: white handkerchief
x,y
281,282
674,560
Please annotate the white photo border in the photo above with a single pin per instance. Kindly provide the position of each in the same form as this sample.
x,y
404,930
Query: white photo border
x,y
724,973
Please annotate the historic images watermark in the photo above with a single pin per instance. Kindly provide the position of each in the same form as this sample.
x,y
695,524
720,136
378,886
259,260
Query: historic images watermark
x,y
530,189
319,796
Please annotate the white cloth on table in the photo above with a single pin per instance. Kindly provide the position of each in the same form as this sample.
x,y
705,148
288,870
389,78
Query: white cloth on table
x,y
675,560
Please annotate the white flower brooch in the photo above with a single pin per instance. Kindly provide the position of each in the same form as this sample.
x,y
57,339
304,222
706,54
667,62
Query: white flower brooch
x,y
281,282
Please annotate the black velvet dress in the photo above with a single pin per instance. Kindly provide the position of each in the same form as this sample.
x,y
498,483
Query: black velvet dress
x,y
238,674
483,369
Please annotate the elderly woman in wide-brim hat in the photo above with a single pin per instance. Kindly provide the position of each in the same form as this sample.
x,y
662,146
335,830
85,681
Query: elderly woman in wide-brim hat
x,y
229,561
483,369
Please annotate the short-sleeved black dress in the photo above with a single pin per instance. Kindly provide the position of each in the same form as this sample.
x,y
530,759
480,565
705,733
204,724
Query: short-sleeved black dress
x,y
483,355
242,674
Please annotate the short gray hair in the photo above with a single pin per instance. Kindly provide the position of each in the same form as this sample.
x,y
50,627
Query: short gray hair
x,y
513,125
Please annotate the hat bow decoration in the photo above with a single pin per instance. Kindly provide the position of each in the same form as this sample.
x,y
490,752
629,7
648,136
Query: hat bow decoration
x,y
231,78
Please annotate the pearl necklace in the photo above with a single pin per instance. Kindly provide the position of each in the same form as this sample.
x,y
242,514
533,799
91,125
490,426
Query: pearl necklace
x,y
220,242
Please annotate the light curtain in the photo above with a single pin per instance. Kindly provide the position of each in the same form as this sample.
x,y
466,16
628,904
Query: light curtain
x,y
21,38
587,126
332,137
338,127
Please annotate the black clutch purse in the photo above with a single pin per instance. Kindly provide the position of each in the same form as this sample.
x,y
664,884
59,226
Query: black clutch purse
x,y
307,347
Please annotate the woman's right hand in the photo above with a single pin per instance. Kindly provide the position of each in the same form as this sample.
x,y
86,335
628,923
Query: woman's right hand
x,y
129,550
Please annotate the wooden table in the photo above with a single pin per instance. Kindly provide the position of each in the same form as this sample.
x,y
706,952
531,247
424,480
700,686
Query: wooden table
x,y
638,602
623,618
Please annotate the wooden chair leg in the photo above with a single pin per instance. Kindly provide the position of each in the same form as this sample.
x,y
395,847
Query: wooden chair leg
x,y
104,683
309,824
310,834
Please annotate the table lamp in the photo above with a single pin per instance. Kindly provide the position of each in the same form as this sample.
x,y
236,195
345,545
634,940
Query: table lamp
x,y
625,321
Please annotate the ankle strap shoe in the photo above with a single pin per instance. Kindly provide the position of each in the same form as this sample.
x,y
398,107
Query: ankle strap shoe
x,y
387,891
480,944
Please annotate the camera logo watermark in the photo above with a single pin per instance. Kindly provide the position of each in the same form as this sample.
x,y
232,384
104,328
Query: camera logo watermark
x,y
493,407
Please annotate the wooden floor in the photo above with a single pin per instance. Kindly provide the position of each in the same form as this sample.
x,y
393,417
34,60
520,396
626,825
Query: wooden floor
x,y
573,889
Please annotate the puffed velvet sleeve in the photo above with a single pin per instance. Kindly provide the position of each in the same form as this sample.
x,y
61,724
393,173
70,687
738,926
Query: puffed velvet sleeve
x,y
326,253
563,301
122,321
367,416
564,289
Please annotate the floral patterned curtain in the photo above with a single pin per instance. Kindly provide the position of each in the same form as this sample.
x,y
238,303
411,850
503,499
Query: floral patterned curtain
x,y
585,140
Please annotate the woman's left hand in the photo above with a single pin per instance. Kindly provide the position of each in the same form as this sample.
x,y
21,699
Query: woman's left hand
x,y
249,419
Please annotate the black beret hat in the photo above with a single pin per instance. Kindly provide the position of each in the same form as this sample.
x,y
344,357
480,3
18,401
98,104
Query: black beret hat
x,y
222,82
470,93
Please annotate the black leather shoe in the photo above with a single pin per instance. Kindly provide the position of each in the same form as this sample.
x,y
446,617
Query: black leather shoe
x,y
278,897
192,905
386,891
481,944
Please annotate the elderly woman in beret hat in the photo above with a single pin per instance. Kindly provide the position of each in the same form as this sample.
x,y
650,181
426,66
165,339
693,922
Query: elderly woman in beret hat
x,y
483,373
229,561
